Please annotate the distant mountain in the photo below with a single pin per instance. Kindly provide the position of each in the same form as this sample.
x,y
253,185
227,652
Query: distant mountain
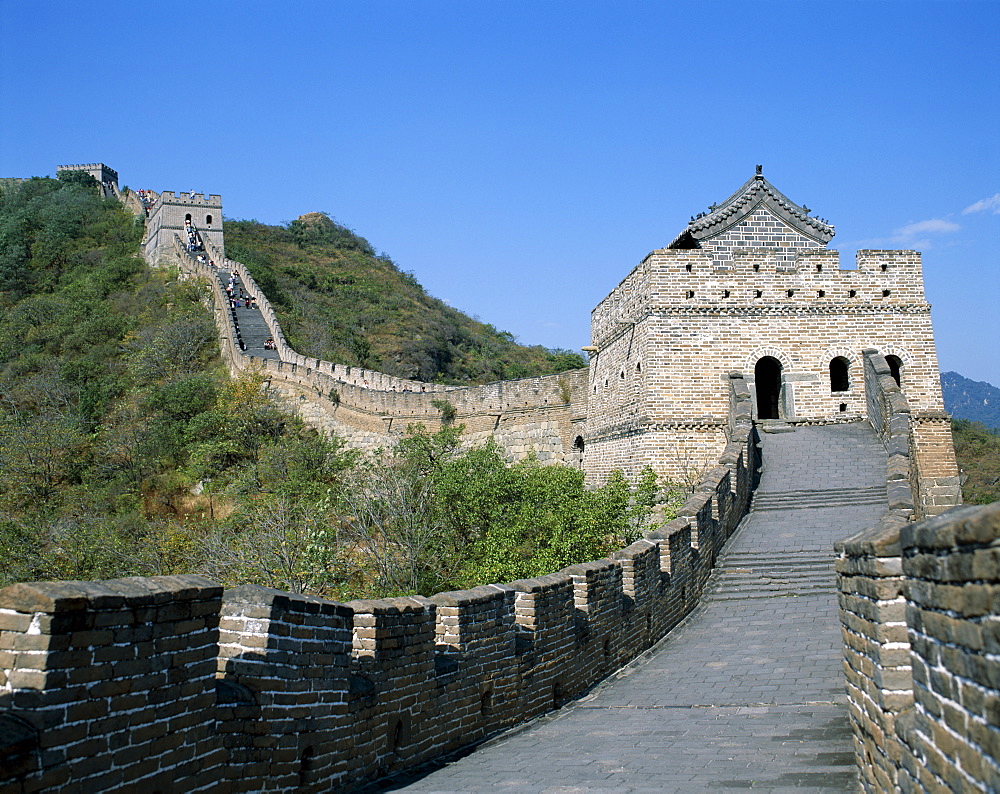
x,y
977,401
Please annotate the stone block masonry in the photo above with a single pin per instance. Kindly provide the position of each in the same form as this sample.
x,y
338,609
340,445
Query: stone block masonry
x,y
112,683
920,615
170,683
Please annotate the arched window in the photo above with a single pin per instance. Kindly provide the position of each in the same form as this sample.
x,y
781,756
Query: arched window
x,y
578,443
187,217
839,374
896,368
208,220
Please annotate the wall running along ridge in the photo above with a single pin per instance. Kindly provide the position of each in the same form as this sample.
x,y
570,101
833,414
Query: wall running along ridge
x,y
122,683
541,416
750,279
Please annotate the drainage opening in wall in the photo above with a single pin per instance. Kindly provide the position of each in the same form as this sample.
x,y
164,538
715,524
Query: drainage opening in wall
x,y
306,761
843,408
399,734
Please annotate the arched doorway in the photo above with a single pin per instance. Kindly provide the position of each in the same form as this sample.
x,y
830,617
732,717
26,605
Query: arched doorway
x,y
767,379
895,367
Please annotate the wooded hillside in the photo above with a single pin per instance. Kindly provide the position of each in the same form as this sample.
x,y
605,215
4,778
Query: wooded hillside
x,y
337,299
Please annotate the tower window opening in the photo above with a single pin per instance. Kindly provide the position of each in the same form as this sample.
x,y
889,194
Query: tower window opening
x,y
885,293
883,267
840,374
187,217
756,268
819,268
687,268
208,220
578,443
853,293
822,293
895,367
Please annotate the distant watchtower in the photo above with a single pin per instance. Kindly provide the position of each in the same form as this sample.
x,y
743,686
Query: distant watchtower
x,y
749,286
105,176
167,219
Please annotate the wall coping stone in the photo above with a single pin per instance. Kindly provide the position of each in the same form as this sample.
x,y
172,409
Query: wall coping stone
x,y
967,525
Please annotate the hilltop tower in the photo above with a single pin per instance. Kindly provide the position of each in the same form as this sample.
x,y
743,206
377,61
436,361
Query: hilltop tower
x,y
105,176
167,218
750,286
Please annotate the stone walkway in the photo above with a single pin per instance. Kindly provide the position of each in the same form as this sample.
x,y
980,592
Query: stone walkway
x,y
747,693
250,323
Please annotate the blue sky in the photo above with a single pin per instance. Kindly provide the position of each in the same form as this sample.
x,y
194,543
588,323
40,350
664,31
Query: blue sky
x,y
521,157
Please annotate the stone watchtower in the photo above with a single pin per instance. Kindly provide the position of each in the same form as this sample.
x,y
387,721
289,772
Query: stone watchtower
x,y
105,176
749,286
167,219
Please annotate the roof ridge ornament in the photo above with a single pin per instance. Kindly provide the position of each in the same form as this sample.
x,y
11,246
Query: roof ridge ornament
x,y
760,171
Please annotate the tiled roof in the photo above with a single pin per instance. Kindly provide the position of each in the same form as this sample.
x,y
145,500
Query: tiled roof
x,y
755,192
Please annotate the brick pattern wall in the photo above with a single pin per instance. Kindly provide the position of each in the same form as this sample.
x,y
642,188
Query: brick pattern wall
x,y
673,329
923,473
542,416
114,683
760,230
924,705
876,648
111,684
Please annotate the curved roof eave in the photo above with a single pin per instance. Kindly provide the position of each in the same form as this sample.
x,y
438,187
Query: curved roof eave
x,y
754,193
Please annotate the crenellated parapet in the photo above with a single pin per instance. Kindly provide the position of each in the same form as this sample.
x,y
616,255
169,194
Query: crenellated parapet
x,y
922,478
919,615
112,684
173,214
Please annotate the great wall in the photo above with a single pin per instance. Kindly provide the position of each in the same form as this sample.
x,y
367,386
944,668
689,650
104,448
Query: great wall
x,y
174,684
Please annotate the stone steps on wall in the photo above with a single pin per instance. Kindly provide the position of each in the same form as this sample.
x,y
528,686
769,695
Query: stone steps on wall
x,y
837,497
253,327
754,575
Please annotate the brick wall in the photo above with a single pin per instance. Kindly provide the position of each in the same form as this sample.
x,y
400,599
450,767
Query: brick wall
x,y
112,684
923,473
920,611
668,335
540,416
170,684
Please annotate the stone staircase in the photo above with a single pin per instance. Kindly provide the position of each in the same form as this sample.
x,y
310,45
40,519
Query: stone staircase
x,y
250,323
804,500
747,575
758,573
